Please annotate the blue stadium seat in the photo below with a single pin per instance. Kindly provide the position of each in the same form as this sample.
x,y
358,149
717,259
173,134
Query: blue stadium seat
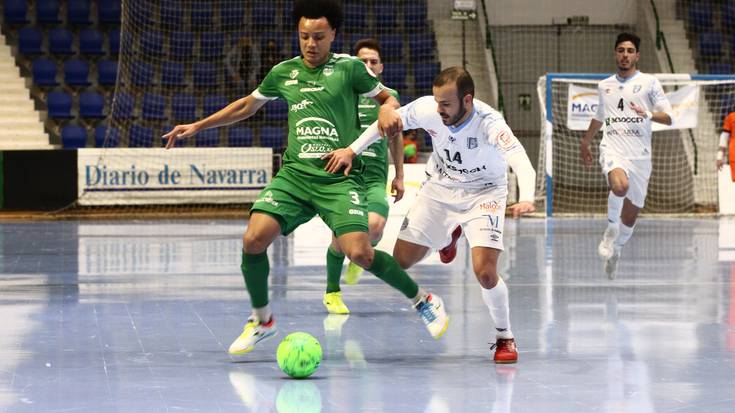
x,y
91,105
424,75
355,13
114,39
181,44
202,14
414,13
205,75
59,105
385,19
720,68
239,136
73,137
122,106
727,14
172,74
30,41
183,107
232,15
140,137
108,11
355,37
391,46
212,44
264,15
172,15
15,11
141,73
421,45
60,42
106,72
141,16
273,137
106,137
47,12
90,42
700,16
207,138
276,110
152,43
710,45
213,104
338,45
153,107
394,75
44,72
77,12
76,73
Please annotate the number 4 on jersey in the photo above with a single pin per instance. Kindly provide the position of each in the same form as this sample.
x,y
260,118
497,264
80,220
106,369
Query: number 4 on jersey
x,y
621,106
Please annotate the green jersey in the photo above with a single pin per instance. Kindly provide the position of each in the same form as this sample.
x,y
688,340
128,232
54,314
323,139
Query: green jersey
x,y
322,105
375,156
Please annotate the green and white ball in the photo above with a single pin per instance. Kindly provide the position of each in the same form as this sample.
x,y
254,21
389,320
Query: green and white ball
x,y
299,355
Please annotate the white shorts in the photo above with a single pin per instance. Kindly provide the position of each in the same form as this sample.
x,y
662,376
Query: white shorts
x,y
637,170
438,210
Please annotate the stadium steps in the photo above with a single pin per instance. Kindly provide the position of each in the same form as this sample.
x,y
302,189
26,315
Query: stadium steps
x,y
449,46
681,54
19,121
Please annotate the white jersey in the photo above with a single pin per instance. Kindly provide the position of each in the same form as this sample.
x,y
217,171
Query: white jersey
x,y
472,155
627,134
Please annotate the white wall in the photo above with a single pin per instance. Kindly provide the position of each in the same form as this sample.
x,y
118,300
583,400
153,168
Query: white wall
x,y
511,12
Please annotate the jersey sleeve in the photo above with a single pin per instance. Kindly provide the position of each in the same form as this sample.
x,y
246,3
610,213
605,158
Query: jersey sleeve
x,y
657,97
268,88
364,81
600,114
729,120
410,114
500,135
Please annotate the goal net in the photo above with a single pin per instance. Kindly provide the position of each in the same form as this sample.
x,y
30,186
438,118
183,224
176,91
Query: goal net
x,y
684,176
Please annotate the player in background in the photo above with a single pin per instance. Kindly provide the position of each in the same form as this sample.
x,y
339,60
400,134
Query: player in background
x,y
321,90
466,186
375,175
628,102
727,127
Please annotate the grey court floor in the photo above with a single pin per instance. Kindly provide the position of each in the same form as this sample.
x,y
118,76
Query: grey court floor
x,y
136,316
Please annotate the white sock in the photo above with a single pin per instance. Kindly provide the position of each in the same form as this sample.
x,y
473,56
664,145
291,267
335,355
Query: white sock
x,y
625,233
496,300
614,207
263,314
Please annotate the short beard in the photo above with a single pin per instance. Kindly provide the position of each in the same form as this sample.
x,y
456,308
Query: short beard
x,y
462,112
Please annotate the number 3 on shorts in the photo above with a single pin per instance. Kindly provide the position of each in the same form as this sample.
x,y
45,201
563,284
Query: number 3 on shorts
x,y
355,197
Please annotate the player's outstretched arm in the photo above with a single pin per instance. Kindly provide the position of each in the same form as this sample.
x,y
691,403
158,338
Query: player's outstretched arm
x,y
584,145
396,151
389,121
236,111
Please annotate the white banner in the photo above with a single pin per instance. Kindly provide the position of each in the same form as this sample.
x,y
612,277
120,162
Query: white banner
x,y
582,105
140,176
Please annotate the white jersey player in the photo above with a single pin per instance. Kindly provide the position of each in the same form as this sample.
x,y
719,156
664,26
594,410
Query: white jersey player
x,y
466,186
629,102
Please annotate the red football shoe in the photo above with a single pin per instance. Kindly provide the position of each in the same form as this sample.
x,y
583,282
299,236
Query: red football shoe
x,y
447,254
505,351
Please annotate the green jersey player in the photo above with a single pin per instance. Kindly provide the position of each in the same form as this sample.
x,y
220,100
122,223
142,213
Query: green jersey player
x,y
321,90
375,175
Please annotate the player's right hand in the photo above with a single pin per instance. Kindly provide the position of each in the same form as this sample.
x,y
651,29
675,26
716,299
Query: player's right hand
x,y
338,159
180,132
586,154
720,162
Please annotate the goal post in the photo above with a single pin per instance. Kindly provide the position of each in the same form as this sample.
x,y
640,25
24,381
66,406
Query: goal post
x,y
684,177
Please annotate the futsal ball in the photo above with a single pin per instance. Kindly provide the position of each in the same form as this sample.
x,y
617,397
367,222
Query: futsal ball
x,y
299,355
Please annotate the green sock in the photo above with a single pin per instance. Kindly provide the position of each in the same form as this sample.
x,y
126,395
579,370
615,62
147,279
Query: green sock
x,y
334,269
387,269
255,269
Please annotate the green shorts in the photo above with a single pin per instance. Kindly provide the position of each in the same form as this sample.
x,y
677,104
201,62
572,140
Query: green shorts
x,y
377,197
293,199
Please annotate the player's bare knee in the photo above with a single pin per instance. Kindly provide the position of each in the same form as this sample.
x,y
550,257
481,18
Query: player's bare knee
x,y
254,243
620,189
361,256
375,234
488,277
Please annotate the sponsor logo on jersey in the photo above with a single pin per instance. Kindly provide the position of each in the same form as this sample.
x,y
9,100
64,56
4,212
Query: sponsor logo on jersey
x,y
312,89
623,119
291,82
314,150
267,198
322,129
628,133
328,71
301,105
489,207
636,88
505,140
464,171
471,143
356,212
452,139
607,91
294,73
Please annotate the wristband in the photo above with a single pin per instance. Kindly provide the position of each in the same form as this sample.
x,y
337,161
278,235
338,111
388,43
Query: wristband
x,y
719,155
649,114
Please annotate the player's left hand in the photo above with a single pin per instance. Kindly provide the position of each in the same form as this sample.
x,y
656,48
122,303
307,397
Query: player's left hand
x,y
639,110
397,189
338,159
389,122
520,208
